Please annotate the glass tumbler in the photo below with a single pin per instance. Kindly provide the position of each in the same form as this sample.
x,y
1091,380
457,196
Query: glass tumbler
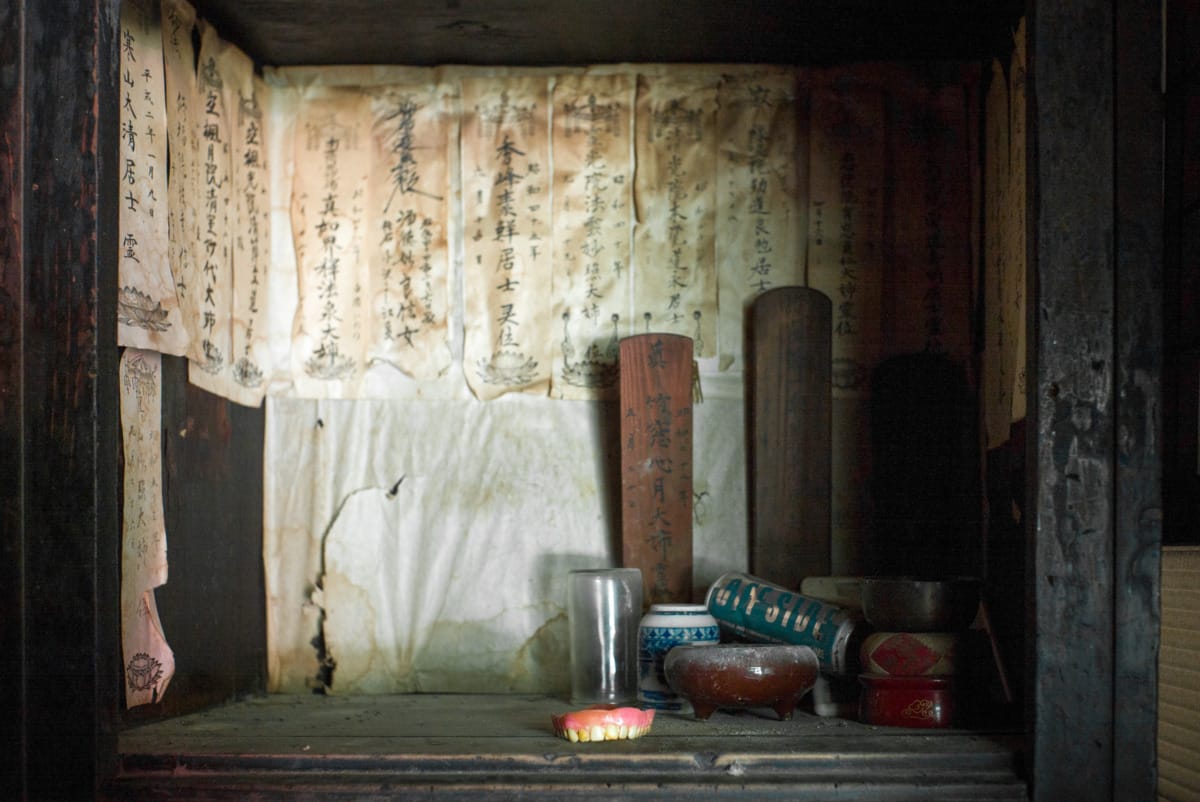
x,y
604,606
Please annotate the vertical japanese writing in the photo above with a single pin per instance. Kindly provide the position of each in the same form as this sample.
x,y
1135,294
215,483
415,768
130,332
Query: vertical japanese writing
x,y
214,252
250,226
252,162
180,86
677,126
592,138
656,433
677,164
930,266
147,308
846,186
596,121
846,315
143,491
759,172
406,242
757,241
327,359
507,229
149,662
400,229
330,209
508,261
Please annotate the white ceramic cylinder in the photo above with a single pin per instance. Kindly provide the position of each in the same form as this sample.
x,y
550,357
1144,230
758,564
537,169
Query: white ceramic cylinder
x,y
664,627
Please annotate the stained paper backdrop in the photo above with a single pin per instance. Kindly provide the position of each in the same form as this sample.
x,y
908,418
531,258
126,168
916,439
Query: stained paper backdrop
x,y
451,248
428,541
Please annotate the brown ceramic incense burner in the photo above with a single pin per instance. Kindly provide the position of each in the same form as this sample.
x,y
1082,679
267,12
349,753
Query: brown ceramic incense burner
x,y
741,675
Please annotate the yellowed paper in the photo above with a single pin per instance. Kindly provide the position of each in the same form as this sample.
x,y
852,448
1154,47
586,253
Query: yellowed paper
x,y
845,256
758,243
507,253
845,261
148,314
675,280
412,130
214,204
283,284
1016,294
184,115
998,344
329,221
454,579
249,225
593,216
930,287
148,660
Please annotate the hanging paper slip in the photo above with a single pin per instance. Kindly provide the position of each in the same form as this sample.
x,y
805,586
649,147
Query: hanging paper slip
x,y
412,131
148,660
759,244
185,178
930,278
593,215
214,202
675,280
507,252
845,235
148,312
249,225
329,221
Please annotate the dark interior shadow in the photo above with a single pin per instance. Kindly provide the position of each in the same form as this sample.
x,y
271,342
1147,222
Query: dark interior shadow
x,y
925,469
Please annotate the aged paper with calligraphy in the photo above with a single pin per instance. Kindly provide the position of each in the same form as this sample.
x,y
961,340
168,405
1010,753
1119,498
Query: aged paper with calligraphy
x,y
330,224
148,660
759,245
845,261
930,281
214,203
675,283
845,248
593,215
246,104
185,179
507,251
148,314
412,130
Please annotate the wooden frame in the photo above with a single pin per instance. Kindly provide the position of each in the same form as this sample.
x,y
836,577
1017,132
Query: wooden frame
x,y
1095,252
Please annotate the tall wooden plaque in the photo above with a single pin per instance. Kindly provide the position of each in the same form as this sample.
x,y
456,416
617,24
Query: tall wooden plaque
x,y
789,377
656,464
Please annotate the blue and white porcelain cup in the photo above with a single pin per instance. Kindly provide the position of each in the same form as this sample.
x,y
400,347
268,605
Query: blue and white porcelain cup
x,y
663,628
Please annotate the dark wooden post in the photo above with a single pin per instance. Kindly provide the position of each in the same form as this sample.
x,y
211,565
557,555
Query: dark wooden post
x,y
58,395
12,141
1140,119
1095,257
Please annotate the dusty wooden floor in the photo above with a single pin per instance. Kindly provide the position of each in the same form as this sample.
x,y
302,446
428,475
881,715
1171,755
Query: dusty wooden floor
x,y
497,746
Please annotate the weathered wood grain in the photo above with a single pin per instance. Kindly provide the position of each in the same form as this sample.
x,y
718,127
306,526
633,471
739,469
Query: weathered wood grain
x,y
66,391
790,403
1138,359
656,464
